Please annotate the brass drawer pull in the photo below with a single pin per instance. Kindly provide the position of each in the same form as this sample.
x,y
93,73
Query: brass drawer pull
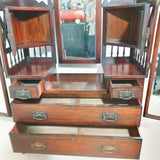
x,y
109,149
23,94
126,95
39,146
109,116
39,115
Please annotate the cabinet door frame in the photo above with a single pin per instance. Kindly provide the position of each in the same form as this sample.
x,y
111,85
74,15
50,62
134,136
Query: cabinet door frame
x,y
151,76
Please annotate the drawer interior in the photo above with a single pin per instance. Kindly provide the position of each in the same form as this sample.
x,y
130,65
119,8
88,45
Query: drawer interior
x,y
124,83
76,131
78,101
26,83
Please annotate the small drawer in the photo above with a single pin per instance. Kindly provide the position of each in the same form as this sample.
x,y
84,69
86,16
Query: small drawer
x,y
27,89
125,89
77,141
77,111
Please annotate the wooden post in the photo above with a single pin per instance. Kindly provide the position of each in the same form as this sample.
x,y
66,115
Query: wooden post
x,y
5,92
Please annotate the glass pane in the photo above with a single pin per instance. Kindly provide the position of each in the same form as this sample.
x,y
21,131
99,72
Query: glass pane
x,y
154,107
78,28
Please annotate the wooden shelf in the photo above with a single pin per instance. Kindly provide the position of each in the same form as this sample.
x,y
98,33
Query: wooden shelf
x,y
120,68
35,69
75,85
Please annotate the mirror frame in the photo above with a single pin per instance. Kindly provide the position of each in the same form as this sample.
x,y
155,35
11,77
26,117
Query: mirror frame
x,y
59,37
151,76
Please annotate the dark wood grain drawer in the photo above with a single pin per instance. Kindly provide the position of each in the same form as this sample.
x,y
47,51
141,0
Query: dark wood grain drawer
x,y
25,89
78,141
125,89
75,111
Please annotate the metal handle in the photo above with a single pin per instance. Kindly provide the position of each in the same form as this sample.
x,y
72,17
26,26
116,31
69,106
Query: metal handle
x,y
109,116
109,149
39,146
126,95
39,115
23,94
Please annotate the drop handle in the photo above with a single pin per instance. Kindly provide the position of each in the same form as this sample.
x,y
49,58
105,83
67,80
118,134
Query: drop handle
x,y
109,117
109,149
126,95
23,94
39,115
39,146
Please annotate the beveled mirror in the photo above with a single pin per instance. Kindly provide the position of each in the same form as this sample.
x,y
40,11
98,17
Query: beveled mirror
x,y
78,29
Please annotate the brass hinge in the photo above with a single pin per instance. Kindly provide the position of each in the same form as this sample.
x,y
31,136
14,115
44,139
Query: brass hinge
x,y
146,36
2,69
148,65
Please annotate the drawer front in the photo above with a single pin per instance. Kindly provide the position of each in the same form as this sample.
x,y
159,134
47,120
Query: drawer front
x,y
126,94
94,146
77,115
125,89
27,89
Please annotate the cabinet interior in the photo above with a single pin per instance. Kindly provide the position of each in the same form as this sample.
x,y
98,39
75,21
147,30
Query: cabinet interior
x,y
123,25
30,27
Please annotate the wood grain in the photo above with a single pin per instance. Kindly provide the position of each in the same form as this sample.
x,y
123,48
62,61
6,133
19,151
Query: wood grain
x,y
30,27
121,68
35,69
135,87
35,87
78,145
78,112
74,85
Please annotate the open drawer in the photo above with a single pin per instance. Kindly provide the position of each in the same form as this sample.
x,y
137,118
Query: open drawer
x,y
78,141
25,89
77,111
125,89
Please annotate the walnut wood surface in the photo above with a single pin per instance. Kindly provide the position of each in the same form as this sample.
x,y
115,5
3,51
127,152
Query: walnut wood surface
x,y
120,68
136,88
78,112
29,27
35,88
127,147
35,69
74,85
131,21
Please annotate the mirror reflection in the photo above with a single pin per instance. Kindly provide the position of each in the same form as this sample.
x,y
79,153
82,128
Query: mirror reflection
x,y
154,107
78,28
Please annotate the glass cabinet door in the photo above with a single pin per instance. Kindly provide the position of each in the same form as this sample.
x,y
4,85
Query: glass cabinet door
x,y
152,103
